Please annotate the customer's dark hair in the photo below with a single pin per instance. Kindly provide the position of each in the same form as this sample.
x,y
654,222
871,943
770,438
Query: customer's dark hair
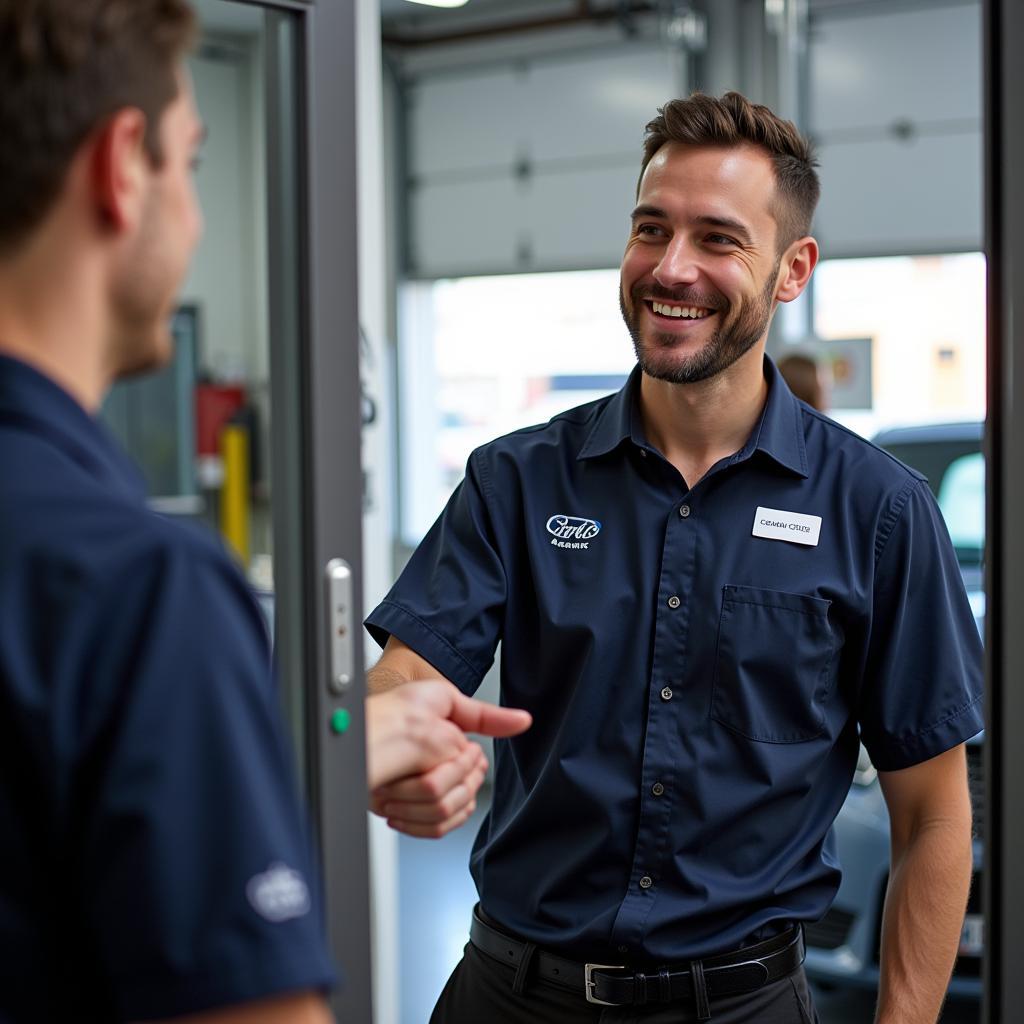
x,y
733,120
66,66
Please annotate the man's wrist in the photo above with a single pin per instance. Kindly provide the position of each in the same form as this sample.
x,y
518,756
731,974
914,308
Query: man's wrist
x,y
383,739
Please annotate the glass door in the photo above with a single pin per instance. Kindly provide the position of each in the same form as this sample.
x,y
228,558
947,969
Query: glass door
x,y
254,429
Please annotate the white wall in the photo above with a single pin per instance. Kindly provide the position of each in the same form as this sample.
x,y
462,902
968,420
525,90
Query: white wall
x,y
227,278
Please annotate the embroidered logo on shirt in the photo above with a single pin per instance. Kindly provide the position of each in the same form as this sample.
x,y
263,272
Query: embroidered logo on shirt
x,y
572,532
278,894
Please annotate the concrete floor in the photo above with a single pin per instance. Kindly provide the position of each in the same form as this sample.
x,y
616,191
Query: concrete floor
x,y
436,896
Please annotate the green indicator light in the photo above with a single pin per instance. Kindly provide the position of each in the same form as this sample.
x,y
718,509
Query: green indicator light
x,y
340,721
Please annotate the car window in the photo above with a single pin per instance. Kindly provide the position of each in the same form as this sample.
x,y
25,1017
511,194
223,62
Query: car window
x,y
955,469
961,498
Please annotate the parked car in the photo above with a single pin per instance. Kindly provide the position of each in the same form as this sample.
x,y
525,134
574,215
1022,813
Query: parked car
x,y
843,948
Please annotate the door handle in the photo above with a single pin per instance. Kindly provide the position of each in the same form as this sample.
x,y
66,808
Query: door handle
x,y
340,634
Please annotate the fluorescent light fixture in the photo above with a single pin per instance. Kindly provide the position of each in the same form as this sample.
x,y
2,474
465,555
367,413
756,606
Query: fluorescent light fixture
x,y
439,3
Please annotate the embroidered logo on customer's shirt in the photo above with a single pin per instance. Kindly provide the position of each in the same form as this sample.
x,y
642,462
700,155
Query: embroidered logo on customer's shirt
x,y
573,532
279,893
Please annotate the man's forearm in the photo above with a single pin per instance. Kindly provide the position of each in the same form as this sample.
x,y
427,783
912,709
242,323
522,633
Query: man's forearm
x,y
398,664
924,913
382,678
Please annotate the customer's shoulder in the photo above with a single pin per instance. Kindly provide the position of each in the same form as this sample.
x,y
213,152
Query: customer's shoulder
x,y
99,536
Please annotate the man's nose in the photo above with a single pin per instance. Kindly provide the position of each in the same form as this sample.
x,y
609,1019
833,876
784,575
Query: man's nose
x,y
678,265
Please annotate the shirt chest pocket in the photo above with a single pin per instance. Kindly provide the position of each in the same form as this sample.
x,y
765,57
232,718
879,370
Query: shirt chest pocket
x,y
773,668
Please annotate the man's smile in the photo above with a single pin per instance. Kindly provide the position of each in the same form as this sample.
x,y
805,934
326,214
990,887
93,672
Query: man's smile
x,y
677,312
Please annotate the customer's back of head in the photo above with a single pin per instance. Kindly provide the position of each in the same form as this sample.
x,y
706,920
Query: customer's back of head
x,y
98,215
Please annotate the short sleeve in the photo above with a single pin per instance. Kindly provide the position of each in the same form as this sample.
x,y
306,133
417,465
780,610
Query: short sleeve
x,y
448,604
923,680
196,869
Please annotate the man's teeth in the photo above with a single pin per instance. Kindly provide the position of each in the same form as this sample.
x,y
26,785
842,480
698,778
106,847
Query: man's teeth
x,y
685,312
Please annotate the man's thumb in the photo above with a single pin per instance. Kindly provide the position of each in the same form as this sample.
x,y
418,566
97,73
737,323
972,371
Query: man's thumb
x,y
488,719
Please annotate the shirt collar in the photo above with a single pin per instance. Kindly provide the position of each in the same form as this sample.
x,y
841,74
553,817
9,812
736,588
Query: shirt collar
x,y
779,432
618,420
31,398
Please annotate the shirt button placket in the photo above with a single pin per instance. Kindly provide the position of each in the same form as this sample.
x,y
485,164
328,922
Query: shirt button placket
x,y
674,603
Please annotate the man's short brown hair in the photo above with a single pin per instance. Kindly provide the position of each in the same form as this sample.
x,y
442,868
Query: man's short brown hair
x,y
733,120
66,66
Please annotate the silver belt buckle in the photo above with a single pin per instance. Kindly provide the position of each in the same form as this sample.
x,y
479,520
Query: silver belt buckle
x,y
589,983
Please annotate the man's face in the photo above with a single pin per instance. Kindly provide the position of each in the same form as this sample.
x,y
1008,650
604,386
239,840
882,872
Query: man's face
x,y
155,259
699,273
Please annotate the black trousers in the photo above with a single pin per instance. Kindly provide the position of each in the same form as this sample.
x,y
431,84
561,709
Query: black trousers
x,y
480,992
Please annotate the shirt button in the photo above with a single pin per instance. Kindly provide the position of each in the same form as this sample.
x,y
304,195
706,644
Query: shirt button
x,y
684,511
674,602
646,882
657,789
666,693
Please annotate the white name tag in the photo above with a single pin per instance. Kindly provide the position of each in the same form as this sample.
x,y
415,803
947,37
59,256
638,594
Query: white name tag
x,y
776,524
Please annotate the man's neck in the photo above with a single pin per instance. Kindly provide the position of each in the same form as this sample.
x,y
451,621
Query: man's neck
x,y
51,318
696,425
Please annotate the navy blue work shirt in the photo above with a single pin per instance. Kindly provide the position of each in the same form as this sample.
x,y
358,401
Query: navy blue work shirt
x,y
696,689
154,858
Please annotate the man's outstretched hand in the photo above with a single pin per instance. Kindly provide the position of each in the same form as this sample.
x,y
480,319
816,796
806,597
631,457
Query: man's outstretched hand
x,y
423,772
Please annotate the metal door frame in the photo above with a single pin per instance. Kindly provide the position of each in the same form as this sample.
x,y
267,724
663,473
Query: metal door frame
x,y
1004,765
315,444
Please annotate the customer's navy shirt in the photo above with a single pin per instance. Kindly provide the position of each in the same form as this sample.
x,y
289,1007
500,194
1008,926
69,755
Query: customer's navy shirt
x,y
697,688
154,860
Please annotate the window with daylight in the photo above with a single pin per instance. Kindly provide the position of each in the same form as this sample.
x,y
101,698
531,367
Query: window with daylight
x,y
483,356
920,325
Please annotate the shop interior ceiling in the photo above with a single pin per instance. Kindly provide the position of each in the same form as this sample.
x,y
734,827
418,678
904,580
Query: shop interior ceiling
x,y
413,24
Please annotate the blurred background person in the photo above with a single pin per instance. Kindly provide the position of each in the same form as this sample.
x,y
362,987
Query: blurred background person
x,y
805,379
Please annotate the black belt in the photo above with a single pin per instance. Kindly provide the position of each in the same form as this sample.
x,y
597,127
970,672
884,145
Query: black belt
x,y
741,971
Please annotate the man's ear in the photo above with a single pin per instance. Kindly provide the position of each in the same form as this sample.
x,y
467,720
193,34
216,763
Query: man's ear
x,y
798,264
118,169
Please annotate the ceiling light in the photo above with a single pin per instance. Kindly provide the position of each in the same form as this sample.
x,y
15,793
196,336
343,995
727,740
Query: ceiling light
x,y
440,3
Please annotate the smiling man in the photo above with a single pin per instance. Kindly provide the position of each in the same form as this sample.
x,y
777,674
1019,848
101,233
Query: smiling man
x,y
758,591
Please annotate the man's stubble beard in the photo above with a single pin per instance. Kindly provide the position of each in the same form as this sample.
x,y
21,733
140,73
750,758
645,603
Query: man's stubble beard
x,y
144,300
727,344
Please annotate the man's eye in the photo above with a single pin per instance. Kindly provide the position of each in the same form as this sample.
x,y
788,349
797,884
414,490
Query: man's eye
x,y
721,240
649,229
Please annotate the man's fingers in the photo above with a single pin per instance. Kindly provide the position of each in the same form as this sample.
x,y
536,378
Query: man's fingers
x,y
435,831
438,810
432,785
430,814
488,719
